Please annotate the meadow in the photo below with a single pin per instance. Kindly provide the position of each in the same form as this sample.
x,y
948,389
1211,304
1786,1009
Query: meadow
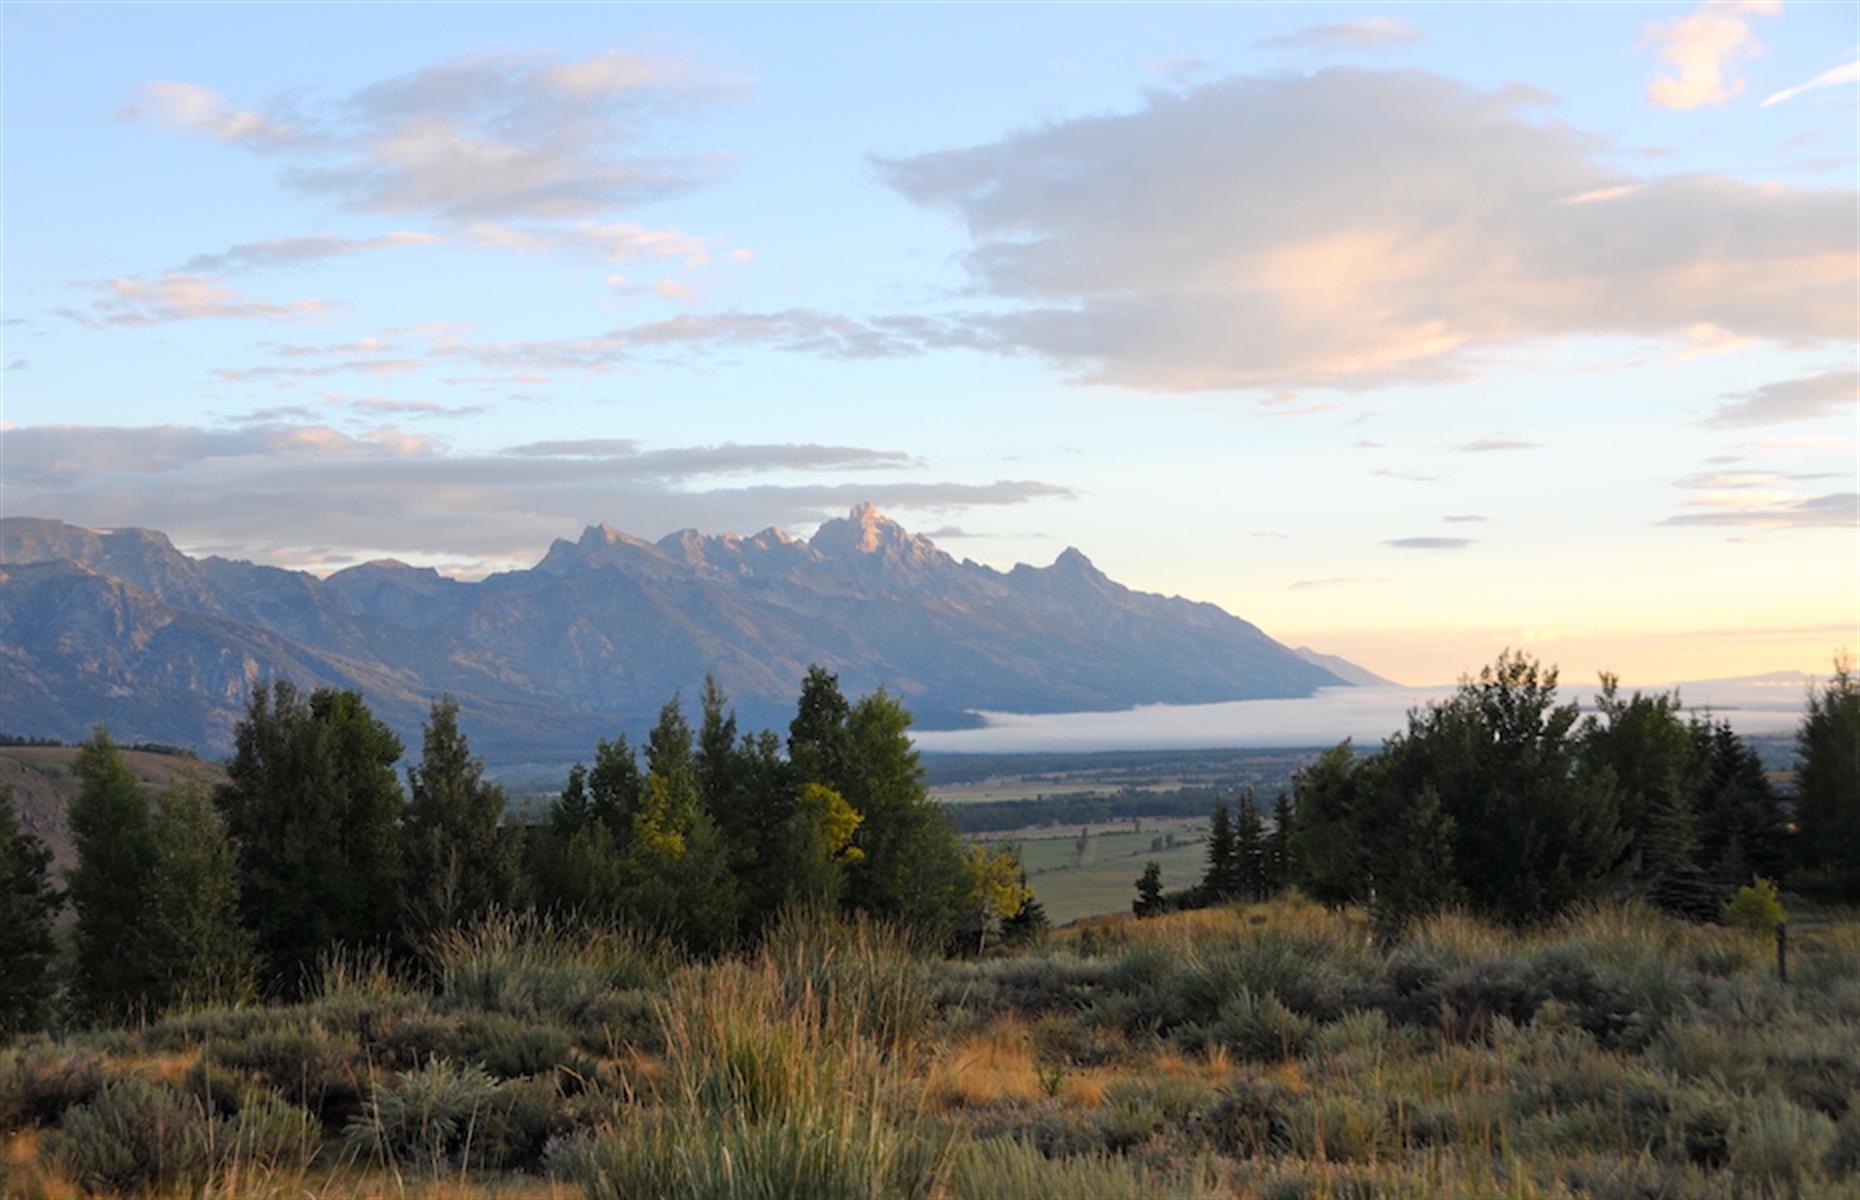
x,y
1265,1050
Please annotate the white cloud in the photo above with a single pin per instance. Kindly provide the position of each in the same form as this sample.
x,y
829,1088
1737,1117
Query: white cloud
x,y
1803,399
181,297
388,491
296,251
1342,37
191,108
1773,510
489,138
1355,228
1703,50
1849,73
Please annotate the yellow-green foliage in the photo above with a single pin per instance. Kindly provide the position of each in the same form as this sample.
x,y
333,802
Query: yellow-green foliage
x,y
1756,908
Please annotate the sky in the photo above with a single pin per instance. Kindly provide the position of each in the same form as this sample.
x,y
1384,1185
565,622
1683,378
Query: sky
x,y
1409,333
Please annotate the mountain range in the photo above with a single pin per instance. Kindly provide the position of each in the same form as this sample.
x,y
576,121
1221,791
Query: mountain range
x,y
119,627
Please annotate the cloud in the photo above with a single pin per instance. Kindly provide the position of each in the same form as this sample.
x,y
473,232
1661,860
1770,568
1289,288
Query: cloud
x,y
797,329
297,251
1703,50
1179,68
1491,445
369,366
1429,543
62,454
614,241
1355,229
1407,476
1801,399
412,408
1837,510
1850,73
1343,37
385,492
1463,518
181,297
488,138
191,108
19,364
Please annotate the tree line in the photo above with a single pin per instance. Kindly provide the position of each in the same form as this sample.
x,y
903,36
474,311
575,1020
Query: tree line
x,y
1504,802
313,844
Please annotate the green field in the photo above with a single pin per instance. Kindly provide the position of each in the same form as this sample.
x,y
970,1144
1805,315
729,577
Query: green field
x,y
1109,886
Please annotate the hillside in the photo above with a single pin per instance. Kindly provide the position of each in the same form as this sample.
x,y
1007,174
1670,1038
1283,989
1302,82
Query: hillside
x,y
42,785
122,628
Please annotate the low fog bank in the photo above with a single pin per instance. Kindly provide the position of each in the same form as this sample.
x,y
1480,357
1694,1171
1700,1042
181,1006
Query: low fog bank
x,y
1755,705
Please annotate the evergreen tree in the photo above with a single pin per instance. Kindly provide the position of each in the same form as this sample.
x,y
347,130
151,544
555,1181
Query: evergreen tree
x,y
199,951
668,746
1221,881
1028,926
460,858
1280,854
1408,852
912,867
1081,849
817,737
1532,832
1327,843
677,869
314,807
1740,826
1149,901
1642,748
28,905
614,786
1828,785
113,883
1249,850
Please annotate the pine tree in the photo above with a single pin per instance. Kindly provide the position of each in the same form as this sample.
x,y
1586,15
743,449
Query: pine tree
x,y
1222,878
1280,852
112,885
1741,829
1409,841
1249,851
1828,784
677,870
28,905
913,868
1533,832
460,858
199,951
1327,841
1028,926
817,737
1149,901
613,786
314,807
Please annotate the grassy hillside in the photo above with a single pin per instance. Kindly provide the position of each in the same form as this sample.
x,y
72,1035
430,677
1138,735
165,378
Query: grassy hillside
x,y
43,785
1256,1051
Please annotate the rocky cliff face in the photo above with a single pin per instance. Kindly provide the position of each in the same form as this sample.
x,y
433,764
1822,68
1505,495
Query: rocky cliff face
x,y
120,627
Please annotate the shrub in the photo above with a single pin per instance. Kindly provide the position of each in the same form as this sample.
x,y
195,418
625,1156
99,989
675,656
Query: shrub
x,y
1776,1142
1260,1028
1251,1118
271,1134
528,965
1004,1169
427,1120
307,1066
1755,908
40,1081
134,1137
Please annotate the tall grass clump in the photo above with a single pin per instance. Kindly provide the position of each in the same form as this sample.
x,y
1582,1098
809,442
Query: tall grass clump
x,y
867,977
531,964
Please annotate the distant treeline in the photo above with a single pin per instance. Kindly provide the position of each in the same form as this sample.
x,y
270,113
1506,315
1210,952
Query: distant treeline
x,y
312,846
1501,801
15,739
1129,766
1082,808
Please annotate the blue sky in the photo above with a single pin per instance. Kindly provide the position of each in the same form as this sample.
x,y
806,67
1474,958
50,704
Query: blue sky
x,y
1258,304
